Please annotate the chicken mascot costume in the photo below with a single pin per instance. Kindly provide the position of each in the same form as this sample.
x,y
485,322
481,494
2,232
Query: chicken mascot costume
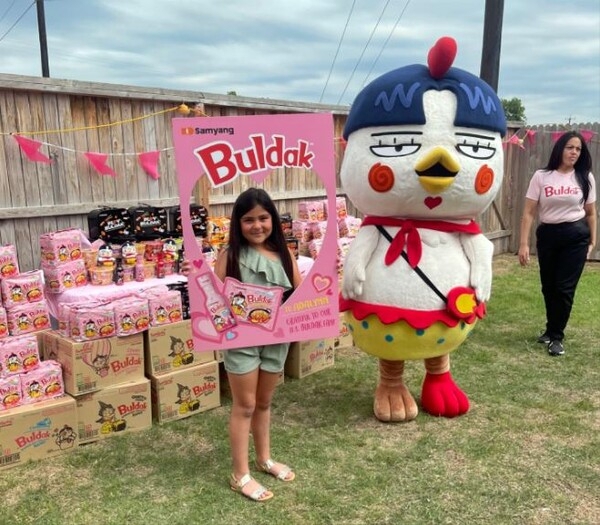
x,y
423,159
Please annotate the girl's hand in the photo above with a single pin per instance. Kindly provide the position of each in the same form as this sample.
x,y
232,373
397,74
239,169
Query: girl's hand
x,y
186,267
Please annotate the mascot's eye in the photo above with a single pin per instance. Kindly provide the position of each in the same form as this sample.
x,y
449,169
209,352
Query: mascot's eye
x,y
395,150
476,151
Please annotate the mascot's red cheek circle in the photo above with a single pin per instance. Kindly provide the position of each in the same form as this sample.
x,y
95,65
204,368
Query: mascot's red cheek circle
x,y
484,179
381,178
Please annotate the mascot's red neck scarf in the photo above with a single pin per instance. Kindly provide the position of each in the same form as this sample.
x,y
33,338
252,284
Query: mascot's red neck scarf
x,y
408,235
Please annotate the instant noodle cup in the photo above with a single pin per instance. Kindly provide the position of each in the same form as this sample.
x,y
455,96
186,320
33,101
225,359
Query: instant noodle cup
x,y
101,276
90,256
149,270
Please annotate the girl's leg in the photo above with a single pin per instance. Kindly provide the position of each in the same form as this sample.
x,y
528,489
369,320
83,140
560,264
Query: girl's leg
x,y
243,393
261,419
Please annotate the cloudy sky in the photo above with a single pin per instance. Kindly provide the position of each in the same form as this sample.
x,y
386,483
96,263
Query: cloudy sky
x,y
309,50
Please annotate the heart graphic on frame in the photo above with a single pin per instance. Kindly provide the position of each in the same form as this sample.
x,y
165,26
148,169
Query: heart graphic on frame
x,y
198,263
203,328
321,282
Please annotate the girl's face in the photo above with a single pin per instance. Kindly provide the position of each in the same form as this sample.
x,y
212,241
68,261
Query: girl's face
x,y
256,226
571,153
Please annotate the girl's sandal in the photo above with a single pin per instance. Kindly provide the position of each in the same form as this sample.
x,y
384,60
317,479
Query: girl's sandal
x,y
243,486
277,470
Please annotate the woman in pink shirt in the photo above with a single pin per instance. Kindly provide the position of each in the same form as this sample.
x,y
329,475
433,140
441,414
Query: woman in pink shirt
x,y
563,196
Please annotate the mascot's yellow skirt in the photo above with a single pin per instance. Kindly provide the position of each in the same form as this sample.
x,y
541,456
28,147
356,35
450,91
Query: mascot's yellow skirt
x,y
400,341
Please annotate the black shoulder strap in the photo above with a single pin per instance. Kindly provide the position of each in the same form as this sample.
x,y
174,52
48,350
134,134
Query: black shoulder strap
x,y
420,273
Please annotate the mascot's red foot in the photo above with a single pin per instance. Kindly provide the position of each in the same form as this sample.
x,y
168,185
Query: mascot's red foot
x,y
441,396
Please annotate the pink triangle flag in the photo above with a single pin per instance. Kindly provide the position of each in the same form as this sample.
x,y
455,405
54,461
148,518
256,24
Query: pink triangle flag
x,y
530,135
98,162
587,134
30,147
149,163
556,135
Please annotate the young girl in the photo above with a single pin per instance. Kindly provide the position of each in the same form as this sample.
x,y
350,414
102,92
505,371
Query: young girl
x,y
258,254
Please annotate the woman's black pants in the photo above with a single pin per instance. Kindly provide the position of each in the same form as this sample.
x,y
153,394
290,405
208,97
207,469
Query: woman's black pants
x,y
562,252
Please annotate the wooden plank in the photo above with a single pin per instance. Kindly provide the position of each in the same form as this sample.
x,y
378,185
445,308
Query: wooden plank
x,y
83,171
103,119
8,161
129,146
93,146
115,134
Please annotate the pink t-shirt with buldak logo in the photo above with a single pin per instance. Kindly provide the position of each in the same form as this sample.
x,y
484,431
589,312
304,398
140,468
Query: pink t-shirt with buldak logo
x,y
559,196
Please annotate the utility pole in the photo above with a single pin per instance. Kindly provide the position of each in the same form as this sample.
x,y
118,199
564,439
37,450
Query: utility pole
x,y
492,38
41,18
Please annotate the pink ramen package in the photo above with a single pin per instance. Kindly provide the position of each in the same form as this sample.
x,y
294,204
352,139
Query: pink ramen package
x,y
3,324
60,247
92,322
10,392
131,315
18,355
9,265
45,382
253,304
70,275
30,317
24,288
165,307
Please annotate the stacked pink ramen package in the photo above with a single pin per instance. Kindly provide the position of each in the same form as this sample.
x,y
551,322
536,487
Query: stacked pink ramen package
x,y
165,306
23,288
62,260
349,226
311,210
18,354
3,323
92,321
132,315
44,382
341,209
9,266
253,304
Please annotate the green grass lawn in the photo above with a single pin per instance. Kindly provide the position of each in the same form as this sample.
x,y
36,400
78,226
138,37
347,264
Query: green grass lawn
x,y
527,452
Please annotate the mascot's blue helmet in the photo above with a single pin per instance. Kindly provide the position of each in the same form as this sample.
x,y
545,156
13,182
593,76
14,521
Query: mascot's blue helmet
x,y
396,97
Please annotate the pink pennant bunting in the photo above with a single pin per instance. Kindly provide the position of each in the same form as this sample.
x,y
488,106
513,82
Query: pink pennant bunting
x,y
149,163
30,147
98,162
530,135
587,134
556,135
516,141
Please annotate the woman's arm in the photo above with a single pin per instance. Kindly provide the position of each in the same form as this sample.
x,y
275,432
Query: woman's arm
x,y
591,217
529,213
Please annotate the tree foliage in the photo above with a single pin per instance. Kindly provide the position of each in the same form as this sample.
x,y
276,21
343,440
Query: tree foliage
x,y
514,109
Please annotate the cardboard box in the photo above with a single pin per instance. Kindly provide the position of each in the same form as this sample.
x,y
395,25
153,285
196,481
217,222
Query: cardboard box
x,y
307,357
38,431
345,339
114,410
93,365
170,347
185,392
226,389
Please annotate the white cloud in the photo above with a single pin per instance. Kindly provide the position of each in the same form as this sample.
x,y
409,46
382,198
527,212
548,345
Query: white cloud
x,y
285,50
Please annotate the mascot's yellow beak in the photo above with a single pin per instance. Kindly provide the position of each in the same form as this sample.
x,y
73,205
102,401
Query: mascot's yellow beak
x,y
436,170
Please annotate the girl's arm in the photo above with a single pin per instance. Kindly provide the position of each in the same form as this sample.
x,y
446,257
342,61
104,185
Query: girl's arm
x,y
296,270
221,265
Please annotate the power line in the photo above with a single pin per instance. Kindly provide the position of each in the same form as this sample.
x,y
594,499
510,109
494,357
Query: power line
x,y
18,20
337,50
385,43
6,12
363,51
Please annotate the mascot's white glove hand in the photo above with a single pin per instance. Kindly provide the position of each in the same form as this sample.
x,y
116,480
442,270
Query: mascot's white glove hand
x,y
480,251
356,262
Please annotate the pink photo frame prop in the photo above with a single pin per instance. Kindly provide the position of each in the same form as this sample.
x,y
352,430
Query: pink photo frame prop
x,y
211,147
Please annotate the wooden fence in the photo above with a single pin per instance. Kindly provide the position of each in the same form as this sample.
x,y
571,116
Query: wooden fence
x,y
72,118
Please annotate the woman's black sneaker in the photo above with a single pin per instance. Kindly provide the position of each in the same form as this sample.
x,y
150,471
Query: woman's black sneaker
x,y
556,348
544,339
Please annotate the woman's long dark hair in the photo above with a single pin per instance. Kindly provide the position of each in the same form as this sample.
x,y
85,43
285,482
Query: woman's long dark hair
x,y
246,201
583,166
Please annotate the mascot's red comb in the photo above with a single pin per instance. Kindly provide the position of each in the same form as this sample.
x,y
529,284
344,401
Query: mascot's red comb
x,y
441,56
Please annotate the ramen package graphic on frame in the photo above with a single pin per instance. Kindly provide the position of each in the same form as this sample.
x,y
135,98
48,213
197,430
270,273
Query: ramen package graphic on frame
x,y
253,304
